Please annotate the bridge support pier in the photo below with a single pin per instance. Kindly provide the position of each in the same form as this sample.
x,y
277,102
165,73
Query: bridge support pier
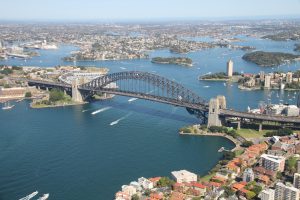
x,y
215,104
239,125
76,95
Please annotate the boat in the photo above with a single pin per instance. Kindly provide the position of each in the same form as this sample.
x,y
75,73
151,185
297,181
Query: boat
x,y
206,86
221,149
7,106
132,99
44,197
19,100
30,196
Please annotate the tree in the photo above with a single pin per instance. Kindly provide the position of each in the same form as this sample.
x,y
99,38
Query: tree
x,y
250,195
165,182
228,191
56,95
228,155
291,165
135,197
28,94
247,143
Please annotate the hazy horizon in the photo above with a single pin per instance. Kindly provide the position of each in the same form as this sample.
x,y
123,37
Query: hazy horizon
x,y
142,10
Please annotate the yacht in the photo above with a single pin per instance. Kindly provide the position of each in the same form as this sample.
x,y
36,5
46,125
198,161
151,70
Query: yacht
x,y
7,106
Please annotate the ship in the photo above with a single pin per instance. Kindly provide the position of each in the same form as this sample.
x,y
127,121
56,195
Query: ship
x,y
30,196
7,106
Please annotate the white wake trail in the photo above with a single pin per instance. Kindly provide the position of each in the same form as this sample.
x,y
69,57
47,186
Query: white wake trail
x,y
101,110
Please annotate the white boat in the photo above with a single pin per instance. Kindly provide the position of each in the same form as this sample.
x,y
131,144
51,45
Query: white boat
x,y
30,196
206,86
132,99
44,197
7,106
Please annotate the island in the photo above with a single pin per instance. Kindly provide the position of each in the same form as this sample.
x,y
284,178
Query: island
x,y
183,61
269,59
220,76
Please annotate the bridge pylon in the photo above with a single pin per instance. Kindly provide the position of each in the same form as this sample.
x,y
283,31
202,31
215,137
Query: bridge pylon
x,y
215,104
76,95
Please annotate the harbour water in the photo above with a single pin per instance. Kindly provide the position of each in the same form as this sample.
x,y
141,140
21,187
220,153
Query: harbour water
x,y
89,151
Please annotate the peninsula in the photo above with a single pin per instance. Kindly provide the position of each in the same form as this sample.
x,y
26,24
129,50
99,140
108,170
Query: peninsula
x,y
269,59
183,61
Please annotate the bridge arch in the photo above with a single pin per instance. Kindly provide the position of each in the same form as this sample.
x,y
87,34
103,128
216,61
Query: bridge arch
x,y
147,86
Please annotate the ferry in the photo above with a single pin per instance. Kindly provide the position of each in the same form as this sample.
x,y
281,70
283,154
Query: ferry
x,y
44,197
7,106
30,196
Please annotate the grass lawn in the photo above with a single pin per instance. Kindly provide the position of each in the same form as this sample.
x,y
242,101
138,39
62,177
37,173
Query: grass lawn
x,y
207,177
250,133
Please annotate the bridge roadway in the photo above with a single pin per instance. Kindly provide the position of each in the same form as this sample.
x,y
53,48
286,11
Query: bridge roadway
x,y
202,107
260,117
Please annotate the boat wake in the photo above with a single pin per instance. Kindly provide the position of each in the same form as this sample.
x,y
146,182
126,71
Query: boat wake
x,y
118,120
85,110
101,110
44,197
123,68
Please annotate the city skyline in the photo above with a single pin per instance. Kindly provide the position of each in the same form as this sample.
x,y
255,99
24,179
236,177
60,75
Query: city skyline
x,y
117,10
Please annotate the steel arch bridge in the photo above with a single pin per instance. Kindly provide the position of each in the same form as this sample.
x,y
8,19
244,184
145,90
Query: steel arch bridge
x,y
145,85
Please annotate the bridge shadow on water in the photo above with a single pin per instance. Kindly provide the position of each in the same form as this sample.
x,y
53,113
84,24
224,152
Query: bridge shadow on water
x,y
151,111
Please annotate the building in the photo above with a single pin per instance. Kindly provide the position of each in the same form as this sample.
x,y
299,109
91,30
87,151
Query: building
x,y
248,175
297,180
145,183
292,111
229,68
129,190
184,176
270,162
267,194
289,77
267,81
284,192
298,166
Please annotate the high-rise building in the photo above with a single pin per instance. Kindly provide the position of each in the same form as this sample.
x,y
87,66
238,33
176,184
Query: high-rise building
x,y
289,77
229,68
248,175
284,192
297,180
270,162
262,75
267,81
267,194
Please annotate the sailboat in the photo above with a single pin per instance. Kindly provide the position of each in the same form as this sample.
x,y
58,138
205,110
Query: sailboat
x,y
7,106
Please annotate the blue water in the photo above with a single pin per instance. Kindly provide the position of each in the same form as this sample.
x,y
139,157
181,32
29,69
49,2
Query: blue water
x,y
73,154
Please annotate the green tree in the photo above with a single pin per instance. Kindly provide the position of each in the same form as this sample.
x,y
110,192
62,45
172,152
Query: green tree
x,y
247,143
250,195
228,191
135,197
6,86
56,95
291,165
165,182
28,94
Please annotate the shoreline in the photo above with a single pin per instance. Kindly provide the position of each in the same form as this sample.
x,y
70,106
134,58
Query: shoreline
x,y
55,106
234,141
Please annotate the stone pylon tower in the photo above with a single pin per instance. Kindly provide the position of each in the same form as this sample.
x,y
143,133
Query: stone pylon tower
x,y
215,104
76,95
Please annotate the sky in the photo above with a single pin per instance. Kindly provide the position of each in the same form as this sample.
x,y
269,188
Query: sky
x,y
145,9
